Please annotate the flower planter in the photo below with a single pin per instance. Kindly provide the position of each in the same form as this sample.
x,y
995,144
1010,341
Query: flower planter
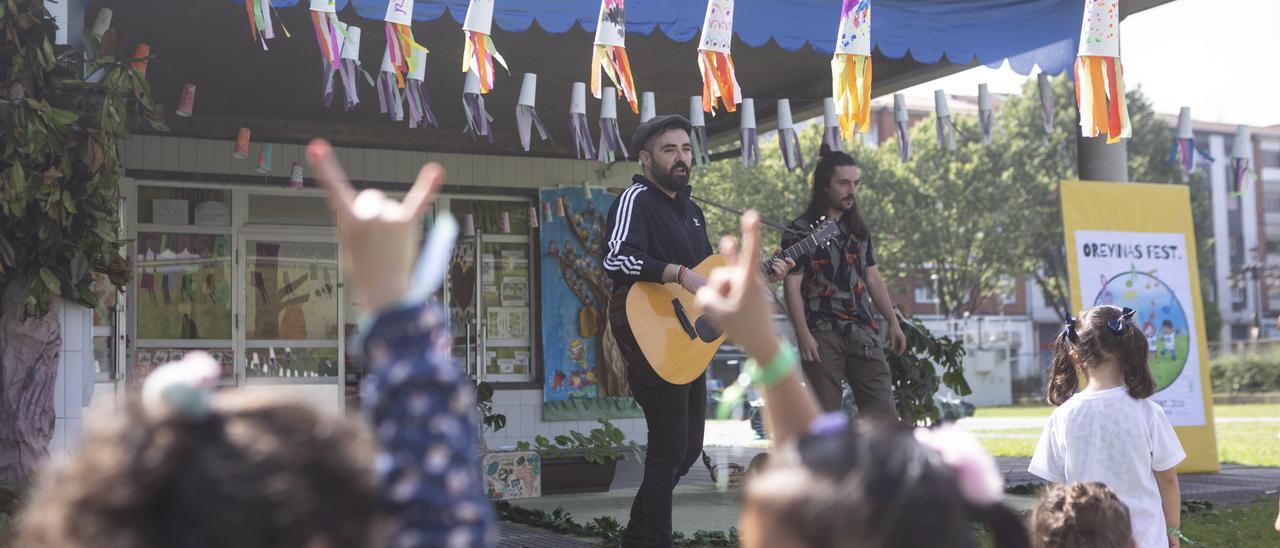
x,y
563,475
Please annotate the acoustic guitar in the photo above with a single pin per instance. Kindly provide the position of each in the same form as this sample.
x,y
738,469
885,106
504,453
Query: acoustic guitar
x,y
664,324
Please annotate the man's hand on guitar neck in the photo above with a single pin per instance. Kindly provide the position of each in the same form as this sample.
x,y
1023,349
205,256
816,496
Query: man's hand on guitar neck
x,y
778,269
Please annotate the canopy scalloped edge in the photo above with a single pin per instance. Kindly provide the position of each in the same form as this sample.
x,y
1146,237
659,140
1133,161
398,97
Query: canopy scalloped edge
x,y
1027,33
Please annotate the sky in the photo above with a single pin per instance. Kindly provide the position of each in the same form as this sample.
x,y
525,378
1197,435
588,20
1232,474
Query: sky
x,y
1218,57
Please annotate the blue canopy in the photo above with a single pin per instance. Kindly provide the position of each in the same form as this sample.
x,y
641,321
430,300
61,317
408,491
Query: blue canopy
x,y
1026,32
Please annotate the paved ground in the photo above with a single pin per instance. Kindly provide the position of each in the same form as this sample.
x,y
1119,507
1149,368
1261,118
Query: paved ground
x,y
700,505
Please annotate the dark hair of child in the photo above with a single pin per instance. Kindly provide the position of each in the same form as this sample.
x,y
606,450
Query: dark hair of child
x,y
253,472
1092,341
1081,515
872,487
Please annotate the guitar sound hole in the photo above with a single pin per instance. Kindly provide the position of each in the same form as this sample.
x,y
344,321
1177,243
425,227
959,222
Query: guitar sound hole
x,y
707,330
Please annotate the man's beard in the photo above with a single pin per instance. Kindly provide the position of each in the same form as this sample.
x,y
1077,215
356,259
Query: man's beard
x,y
670,182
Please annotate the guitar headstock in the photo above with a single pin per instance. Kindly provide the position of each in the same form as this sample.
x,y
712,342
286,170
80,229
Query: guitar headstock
x,y
825,231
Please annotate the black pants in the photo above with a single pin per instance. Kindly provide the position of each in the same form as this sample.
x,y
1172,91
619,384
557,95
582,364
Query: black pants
x,y
676,416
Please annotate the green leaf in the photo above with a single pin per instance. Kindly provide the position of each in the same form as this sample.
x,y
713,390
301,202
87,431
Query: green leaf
x,y
50,281
61,117
79,266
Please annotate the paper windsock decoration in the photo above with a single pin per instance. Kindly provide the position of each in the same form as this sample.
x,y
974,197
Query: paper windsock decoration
x,y
719,81
1099,75
1046,101
324,19
264,158
946,128
348,69
611,146
901,117
610,54
187,102
478,118
469,225
1241,152
526,116
747,133
582,145
140,55
390,100
260,25
533,217
698,137
295,176
546,213
101,23
787,137
986,118
831,125
586,189
415,93
647,110
504,223
478,53
560,208
1184,151
241,150
851,68
400,43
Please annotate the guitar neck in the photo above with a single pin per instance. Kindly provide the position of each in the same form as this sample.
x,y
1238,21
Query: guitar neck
x,y
800,249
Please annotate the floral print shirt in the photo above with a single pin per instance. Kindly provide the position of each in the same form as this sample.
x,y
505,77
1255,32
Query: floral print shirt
x,y
834,287
424,418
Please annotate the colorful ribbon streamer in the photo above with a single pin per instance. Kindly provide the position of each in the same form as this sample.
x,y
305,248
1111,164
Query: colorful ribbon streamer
x,y
420,113
478,118
610,53
390,99
260,24
400,42
478,51
851,68
719,79
578,126
611,146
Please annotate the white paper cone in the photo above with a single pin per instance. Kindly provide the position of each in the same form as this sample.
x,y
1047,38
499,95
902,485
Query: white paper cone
x,y
717,26
829,118
611,25
386,61
940,103
984,98
900,113
1100,28
102,22
586,189
784,114
479,17
419,71
326,6
854,35
472,83
646,107
351,46
747,114
578,98
528,90
469,225
399,12
609,103
1243,145
697,118
1184,123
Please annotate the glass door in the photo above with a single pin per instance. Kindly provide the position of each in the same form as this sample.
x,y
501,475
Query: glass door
x,y
290,322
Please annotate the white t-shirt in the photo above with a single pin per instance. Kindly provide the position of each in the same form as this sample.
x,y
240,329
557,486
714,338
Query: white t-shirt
x,y
1110,437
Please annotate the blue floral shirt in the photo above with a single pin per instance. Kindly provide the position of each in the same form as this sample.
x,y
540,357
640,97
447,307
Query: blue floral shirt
x,y
424,419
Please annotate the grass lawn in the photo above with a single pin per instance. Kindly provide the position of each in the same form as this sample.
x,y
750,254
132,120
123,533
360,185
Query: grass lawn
x,y
1250,526
1252,441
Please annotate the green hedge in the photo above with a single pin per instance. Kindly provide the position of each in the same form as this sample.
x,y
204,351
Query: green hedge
x,y
1246,373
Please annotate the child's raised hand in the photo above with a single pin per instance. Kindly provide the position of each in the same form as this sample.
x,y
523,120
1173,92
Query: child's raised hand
x,y
735,295
379,236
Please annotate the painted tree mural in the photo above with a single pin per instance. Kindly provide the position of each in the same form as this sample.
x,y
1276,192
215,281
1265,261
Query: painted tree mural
x,y
579,260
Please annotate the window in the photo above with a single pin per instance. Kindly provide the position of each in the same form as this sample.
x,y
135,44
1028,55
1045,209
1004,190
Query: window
x,y
925,295
1269,154
1271,201
490,303
183,277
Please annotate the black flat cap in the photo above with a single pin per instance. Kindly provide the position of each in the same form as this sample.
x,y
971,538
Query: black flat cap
x,y
656,126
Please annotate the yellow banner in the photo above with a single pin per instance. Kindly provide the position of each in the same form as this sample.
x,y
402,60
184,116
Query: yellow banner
x,y
1133,244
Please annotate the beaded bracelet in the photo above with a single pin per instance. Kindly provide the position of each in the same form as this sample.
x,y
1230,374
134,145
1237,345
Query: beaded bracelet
x,y
777,369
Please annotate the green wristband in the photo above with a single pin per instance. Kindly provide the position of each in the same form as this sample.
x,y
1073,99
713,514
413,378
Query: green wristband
x,y
777,369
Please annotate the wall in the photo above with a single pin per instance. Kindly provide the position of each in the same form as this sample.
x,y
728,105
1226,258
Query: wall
x,y
166,157
74,386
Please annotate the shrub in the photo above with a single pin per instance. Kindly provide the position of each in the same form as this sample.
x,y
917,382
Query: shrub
x,y
1246,373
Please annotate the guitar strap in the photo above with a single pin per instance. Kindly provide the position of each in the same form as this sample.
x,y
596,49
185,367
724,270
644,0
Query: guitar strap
x,y
737,212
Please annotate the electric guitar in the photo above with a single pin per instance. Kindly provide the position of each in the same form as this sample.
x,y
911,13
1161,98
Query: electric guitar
x,y
664,324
